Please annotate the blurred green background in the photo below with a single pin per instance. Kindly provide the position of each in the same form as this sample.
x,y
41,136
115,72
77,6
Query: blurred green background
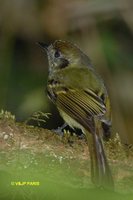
x,y
102,28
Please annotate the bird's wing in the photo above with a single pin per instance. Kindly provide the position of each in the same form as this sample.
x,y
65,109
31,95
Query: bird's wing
x,y
81,105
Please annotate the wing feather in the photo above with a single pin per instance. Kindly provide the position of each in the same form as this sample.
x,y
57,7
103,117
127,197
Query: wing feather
x,y
81,105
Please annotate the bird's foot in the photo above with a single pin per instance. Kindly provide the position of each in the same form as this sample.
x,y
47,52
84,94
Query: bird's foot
x,y
59,131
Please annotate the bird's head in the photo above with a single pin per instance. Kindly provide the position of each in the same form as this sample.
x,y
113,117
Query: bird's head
x,y
64,54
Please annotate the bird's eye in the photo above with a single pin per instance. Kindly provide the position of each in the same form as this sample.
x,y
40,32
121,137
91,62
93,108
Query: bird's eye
x,y
57,54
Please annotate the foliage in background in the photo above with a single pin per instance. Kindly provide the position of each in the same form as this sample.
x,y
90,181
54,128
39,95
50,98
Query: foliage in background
x,y
103,29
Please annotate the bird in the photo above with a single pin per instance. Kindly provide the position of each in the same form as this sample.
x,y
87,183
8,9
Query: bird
x,y
82,100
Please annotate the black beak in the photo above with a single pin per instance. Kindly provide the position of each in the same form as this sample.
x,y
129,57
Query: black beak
x,y
43,45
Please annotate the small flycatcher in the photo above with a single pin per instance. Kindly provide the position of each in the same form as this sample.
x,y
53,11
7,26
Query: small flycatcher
x,y
82,100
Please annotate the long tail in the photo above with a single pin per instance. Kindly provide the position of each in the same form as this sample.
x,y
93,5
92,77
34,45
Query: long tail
x,y
100,172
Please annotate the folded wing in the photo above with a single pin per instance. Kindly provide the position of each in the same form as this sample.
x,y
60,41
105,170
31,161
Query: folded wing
x,y
81,105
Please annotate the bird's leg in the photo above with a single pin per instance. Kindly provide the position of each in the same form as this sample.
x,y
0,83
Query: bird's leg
x,y
59,130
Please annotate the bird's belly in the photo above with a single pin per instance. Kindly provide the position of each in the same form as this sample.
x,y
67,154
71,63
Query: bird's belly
x,y
71,122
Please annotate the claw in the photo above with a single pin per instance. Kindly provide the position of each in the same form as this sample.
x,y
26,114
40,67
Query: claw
x,y
59,130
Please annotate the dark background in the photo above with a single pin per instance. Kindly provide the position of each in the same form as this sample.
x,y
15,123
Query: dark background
x,y
102,29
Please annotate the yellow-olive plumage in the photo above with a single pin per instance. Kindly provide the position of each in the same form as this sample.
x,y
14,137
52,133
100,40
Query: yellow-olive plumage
x,y
82,100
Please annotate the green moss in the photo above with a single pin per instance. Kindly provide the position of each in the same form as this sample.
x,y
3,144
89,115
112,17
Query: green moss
x,y
5,115
61,164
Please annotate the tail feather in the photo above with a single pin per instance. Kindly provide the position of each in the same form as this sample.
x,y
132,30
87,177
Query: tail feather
x,y
100,172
